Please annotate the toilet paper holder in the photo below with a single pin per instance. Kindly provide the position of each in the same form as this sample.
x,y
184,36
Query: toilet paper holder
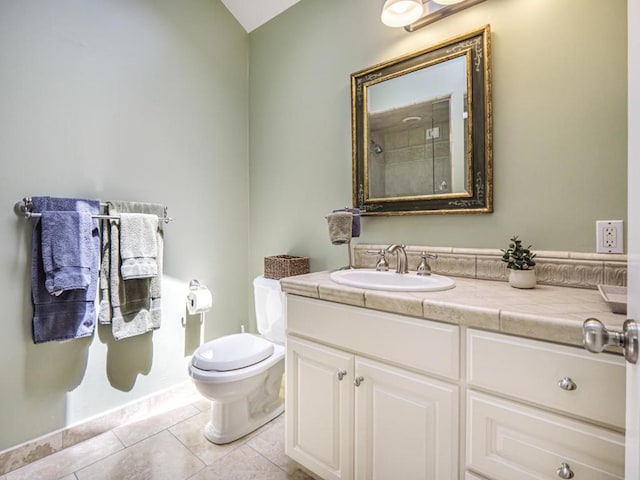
x,y
194,285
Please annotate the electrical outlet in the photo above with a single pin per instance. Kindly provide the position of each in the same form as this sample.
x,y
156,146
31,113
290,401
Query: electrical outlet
x,y
609,236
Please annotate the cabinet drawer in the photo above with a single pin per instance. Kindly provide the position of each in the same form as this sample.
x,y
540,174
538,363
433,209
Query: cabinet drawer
x,y
506,440
531,370
422,345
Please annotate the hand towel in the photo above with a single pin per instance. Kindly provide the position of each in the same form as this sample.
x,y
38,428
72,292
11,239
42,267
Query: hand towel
x,y
71,314
355,225
138,245
340,227
104,308
67,250
133,307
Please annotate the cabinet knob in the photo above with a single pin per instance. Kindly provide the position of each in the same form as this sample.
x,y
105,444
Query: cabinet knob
x,y
341,374
565,471
358,381
567,384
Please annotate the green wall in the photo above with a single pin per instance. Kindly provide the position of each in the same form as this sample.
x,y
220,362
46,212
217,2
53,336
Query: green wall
x,y
138,100
559,104
153,100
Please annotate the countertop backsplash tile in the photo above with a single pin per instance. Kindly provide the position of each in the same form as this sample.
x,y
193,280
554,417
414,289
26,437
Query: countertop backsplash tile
x,y
568,269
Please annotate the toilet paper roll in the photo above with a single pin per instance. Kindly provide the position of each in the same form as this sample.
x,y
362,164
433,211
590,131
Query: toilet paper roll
x,y
199,301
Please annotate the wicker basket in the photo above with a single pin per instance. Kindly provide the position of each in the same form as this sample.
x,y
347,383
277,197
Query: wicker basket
x,y
280,266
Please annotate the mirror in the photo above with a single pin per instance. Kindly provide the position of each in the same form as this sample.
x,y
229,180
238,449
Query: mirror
x,y
421,127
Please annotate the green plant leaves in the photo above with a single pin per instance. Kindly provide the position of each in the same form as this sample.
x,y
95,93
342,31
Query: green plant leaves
x,y
518,257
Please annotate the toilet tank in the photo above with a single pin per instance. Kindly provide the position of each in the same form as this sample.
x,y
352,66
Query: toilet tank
x,y
270,308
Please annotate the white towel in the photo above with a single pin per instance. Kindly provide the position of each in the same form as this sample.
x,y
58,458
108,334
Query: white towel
x,y
133,307
138,245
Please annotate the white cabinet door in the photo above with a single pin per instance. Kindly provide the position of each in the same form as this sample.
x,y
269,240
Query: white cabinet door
x,y
319,413
633,200
406,425
472,476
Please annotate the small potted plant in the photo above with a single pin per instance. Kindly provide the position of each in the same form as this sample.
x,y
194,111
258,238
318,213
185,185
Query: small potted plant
x,y
520,261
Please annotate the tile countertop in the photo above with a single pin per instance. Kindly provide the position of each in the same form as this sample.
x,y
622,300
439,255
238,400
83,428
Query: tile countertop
x,y
546,312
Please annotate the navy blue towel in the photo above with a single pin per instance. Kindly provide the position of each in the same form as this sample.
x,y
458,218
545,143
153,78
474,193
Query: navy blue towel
x,y
71,314
67,250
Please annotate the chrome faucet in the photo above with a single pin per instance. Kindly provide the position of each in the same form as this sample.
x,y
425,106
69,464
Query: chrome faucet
x,y
401,257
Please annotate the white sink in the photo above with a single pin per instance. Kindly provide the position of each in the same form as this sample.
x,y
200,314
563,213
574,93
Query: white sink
x,y
391,281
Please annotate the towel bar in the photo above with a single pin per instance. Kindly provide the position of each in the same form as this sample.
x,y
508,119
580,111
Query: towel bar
x,y
24,209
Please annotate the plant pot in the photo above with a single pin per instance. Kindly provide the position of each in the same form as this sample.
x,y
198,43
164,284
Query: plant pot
x,y
522,278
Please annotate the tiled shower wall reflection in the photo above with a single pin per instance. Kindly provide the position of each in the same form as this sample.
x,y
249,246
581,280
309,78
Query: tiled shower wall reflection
x,y
411,155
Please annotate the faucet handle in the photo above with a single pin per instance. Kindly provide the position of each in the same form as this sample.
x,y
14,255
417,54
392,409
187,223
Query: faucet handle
x,y
381,264
424,268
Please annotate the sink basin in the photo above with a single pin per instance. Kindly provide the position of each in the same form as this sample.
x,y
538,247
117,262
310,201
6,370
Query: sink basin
x,y
392,281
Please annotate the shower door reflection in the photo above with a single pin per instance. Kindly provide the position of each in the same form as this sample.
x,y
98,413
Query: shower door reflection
x,y
411,150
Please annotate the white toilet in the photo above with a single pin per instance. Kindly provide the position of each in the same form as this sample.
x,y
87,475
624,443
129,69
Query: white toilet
x,y
242,373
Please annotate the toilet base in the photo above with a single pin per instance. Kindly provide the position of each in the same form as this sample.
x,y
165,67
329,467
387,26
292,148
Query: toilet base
x,y
220,437
234,416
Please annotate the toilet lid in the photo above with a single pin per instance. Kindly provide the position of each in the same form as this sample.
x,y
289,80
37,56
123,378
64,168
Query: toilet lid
x,y
232,352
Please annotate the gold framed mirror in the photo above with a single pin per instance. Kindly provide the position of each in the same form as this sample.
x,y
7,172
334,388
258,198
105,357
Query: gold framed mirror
x,y
422,131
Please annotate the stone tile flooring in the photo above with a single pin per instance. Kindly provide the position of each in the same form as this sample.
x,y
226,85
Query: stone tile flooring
x,y
169,446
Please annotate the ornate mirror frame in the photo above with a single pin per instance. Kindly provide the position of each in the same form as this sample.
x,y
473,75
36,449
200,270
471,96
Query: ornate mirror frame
x,y
474,47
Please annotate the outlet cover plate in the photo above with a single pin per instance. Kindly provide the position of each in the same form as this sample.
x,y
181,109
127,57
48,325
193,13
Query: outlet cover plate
x,y
609,236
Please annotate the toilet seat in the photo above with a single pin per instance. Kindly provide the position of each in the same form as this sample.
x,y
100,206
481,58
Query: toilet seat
x,y
232,352
213,376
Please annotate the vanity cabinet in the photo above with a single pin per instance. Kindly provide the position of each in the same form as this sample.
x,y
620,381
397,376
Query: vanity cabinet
x,y
539,410
354,409
379,395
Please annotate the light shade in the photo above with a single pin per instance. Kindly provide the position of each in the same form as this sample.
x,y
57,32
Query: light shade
x,y
398,13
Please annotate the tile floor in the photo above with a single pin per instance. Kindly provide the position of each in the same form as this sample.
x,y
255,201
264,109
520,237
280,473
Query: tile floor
x,y
169,446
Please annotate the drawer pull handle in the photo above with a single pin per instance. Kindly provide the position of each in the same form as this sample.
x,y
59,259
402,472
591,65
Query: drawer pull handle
x,y
341,374
565,471
567,384
358,381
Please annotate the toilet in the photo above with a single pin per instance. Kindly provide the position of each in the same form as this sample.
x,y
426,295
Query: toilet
x,y
242,373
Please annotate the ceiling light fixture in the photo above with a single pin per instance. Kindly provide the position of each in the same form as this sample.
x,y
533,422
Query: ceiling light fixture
x,y
411,119
415,14
399,13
